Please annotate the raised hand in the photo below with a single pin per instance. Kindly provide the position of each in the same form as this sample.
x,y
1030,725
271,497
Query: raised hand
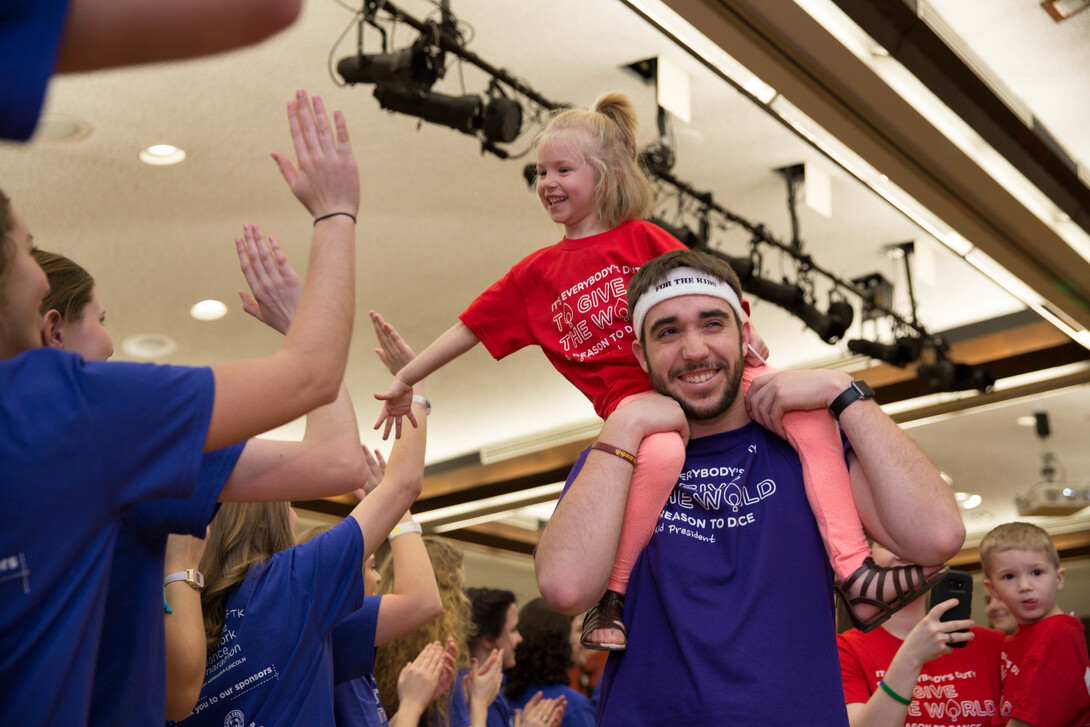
x,y
449,668
274,285
932,637
376,470
541,712
326,180
418,681
483,681
392,351
399,403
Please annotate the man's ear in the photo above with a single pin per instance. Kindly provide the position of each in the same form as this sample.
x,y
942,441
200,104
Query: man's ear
x,y
53,329
638,352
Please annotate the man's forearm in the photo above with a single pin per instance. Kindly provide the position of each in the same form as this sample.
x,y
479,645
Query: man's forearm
x,y
891,477
579,544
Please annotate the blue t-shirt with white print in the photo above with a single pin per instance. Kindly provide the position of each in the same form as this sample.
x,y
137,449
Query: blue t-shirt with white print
x,y
274,664
80,444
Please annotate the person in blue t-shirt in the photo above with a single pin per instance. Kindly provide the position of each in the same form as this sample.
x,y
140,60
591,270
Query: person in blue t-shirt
x,y
731,604
543,661
476,684
270,606
74,320
496,618
82,442
40,37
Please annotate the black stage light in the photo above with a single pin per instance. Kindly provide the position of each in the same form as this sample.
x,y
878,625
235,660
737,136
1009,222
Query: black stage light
x,y
685,235
789,297
458,112
743,267
829,327
841,313
945,375
419,65
502,120
900,353
657,158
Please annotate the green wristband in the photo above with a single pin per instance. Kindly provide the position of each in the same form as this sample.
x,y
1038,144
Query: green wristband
x,y
889,690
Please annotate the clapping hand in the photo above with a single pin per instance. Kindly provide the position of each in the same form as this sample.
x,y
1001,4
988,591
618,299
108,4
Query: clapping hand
x,y
274,286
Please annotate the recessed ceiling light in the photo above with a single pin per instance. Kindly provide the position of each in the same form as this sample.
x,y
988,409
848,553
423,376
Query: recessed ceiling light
x,y
208,310
967,501
148,345
162,155
58,127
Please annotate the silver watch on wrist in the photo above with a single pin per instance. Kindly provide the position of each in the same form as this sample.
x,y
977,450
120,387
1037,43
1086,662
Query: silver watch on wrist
x,y
193,577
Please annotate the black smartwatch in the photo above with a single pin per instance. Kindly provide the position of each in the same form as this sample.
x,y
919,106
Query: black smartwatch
x,y
857,390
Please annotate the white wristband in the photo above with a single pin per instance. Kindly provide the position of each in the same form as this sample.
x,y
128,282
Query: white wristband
x,y
423,400
402,528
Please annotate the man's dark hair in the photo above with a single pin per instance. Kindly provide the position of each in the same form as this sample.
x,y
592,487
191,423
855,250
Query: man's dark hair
x,y
490,607
654,270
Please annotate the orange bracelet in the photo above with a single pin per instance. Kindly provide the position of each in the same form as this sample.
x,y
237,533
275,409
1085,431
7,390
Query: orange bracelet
x,y
615,451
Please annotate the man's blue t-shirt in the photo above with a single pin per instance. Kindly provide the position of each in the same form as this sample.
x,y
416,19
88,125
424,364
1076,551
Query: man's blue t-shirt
x,y
80,444
274,664
124,693
356,701
730,610
30,35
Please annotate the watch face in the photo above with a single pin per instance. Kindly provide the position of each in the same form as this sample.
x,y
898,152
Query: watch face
x,y
196,579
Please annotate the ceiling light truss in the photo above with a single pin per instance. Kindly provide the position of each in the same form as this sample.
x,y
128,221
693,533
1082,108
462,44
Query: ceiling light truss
x,y
679,28
403,79
911,338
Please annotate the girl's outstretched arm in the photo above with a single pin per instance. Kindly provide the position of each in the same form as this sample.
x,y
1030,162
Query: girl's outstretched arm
x,y
453,343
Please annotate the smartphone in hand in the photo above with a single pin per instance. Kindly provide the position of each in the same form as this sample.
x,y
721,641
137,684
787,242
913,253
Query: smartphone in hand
x,y
957,584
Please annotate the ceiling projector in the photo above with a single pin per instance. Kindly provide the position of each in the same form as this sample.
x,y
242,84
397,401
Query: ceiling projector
x,y
1054,498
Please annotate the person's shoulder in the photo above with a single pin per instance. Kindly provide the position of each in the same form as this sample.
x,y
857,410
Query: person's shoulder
x,y
647,230
856,640
991,640
40,360
1060,628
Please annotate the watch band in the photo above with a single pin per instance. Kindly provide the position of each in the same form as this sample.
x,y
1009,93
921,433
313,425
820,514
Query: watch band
x,y
857,390
423,400
193,578
402,528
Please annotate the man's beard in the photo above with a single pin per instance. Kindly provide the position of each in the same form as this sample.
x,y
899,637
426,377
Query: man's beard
x,y
705,409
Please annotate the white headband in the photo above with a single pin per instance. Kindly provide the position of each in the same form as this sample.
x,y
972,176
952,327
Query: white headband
x,y
684,281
